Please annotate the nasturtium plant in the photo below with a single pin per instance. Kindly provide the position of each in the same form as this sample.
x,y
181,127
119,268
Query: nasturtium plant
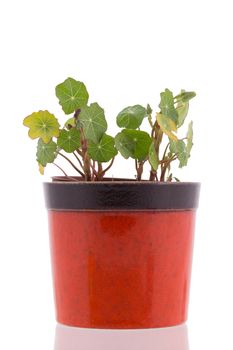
x,y
84,137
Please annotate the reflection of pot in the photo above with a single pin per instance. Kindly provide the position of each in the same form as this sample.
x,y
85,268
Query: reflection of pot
x,y
171,338
121,252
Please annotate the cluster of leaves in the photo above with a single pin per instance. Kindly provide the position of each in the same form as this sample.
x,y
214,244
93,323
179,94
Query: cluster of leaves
x,y
84,134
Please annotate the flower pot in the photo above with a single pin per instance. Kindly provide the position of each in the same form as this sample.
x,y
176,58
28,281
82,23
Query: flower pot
x,y
121,252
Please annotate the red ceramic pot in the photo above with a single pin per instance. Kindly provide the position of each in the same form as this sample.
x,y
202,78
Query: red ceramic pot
x,y
121,252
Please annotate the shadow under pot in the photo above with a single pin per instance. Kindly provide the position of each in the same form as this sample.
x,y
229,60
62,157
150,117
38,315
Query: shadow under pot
x,y
121,251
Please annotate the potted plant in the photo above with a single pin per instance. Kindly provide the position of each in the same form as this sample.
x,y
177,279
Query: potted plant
x,y
121,248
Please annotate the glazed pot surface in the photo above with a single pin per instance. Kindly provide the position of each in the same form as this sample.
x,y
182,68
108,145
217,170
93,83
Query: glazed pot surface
x,y
121,269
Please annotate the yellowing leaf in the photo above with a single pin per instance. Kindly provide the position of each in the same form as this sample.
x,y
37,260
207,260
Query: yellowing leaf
x,y
167,125
41,169
42,125
189,139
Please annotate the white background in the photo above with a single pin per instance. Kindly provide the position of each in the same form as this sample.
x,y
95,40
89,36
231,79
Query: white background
x,y
126,52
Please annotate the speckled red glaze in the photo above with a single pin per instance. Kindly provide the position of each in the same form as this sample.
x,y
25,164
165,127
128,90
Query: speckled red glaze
x,y
121,269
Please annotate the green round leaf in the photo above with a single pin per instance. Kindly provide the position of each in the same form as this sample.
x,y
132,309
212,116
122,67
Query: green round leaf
x,y
42,125
72,95
93,121
69,140
104,150
153,157
131,117
133,143
46,152
167,105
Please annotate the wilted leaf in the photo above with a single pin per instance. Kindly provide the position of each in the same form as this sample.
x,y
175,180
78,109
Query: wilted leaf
x,y
189,139
104,150
179,147
148,109
153,157
133,143
69,140
46,152
72,94
167,106
93,122
167,125
185,96
41,169
131,117
42,125
182,111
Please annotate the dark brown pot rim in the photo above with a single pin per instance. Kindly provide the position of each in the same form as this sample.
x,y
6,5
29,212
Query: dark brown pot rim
x,y
120,194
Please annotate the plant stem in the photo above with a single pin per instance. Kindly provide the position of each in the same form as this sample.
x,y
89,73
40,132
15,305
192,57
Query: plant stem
x,y
165,167
158,140
169,178
150,120
76,113
153,175
93,170
136,165
165,151
100,172
79,152
72,164
60,169
80,163
109,166
139,170
86,159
